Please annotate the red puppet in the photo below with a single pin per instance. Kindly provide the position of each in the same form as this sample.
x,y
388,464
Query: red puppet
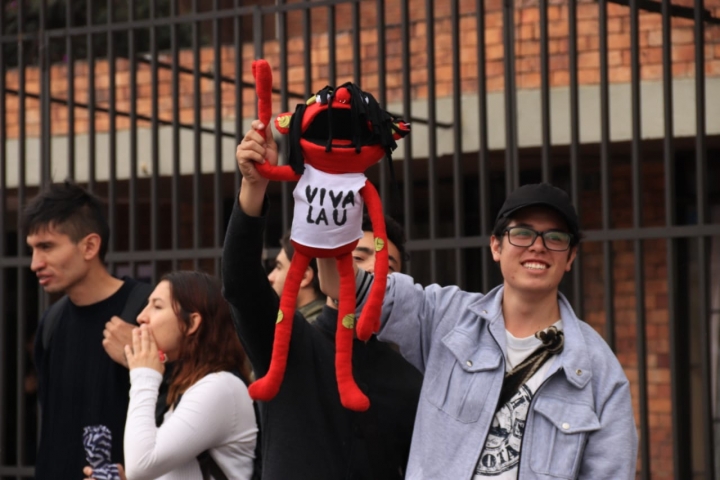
x,y
334,137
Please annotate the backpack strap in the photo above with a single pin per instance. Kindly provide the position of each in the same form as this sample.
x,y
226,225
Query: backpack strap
x,y
52,317
553,341
210,468
136,301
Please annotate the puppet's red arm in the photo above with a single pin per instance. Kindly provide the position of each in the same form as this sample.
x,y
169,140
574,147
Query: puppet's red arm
x,y
263,87
369,321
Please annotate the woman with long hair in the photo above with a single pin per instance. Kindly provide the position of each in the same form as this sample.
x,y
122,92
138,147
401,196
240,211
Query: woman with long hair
x,y
187,321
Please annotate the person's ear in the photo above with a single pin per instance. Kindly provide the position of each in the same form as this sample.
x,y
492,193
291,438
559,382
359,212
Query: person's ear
x,y
307,277
90,246
571,258
496,247
195,321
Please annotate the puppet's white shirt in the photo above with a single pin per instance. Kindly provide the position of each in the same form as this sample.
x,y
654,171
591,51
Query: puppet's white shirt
x,y
328,209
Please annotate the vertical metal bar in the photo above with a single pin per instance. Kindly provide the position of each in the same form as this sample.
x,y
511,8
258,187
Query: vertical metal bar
x,y
545,93
239,131
408,209
3,249
20,247
432,133
20,358
355,19
382,87
703,243
91,100
257,31
512,175
45,173
197,140
132,180
483,150
112,136
307,68
44,64
637,244
217,174
682,453
458,190
175,92
283,57
154,146
307,55
605,177
574,148
69,54
332,64
285,193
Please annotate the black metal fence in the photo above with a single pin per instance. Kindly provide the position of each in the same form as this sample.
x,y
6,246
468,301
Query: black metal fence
x,y
144,104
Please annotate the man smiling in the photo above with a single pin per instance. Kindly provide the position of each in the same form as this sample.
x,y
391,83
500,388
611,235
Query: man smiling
x,y
516,386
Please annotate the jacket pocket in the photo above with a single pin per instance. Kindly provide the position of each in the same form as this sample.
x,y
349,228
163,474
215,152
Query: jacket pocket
x,y
559,434
460,378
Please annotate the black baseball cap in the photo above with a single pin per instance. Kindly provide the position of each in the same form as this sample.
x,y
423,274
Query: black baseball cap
x,y
544,195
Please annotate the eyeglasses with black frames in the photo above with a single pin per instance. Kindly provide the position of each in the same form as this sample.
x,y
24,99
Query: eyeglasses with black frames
x,y
554,240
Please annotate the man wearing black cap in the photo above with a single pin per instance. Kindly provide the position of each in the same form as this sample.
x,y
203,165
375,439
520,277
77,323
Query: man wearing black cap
x,y
516,386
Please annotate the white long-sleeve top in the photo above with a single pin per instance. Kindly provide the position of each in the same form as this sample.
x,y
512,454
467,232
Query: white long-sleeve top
x,y
216,413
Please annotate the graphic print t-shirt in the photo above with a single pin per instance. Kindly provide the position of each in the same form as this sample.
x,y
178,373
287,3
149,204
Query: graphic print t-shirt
x,y
328,208
501,455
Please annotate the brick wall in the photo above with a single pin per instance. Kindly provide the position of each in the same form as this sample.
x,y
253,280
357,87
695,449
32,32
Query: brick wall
x,y
624,300
527,50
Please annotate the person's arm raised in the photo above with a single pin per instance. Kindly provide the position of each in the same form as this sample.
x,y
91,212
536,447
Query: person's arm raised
x,y
252,150
253,302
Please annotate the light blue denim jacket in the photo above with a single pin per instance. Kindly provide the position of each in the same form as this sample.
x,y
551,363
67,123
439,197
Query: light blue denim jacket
x,y
580,423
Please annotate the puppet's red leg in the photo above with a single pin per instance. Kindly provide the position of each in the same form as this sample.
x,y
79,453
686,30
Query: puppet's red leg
x,y
350,395
369,321
268,386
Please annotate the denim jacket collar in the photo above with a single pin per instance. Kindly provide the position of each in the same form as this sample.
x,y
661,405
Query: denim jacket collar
x,y
573,360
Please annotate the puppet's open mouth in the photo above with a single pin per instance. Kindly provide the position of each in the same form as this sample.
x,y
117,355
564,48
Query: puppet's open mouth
x,y
319,130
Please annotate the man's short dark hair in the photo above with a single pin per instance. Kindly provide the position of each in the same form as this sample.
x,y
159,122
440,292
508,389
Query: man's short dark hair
x,y
395,233
71,210
290,251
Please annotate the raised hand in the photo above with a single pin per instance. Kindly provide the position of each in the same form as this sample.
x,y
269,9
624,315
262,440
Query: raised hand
x,y
117,334
144,350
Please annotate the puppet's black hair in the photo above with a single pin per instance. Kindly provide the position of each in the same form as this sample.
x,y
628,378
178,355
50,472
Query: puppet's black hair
x,y
364,111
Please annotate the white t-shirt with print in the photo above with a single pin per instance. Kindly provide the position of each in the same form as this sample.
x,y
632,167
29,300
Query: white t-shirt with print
x,y
501,455
328,208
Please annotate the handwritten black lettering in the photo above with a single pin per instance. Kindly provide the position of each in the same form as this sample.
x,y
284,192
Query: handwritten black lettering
x,y
335,199
310,194
344,217
321,217
349,199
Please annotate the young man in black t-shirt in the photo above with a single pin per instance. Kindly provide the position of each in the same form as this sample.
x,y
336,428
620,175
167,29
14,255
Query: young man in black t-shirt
x,y
82,376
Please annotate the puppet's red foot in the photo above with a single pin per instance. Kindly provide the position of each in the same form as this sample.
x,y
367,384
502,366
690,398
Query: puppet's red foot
x,y
352,398
369,322
263,390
